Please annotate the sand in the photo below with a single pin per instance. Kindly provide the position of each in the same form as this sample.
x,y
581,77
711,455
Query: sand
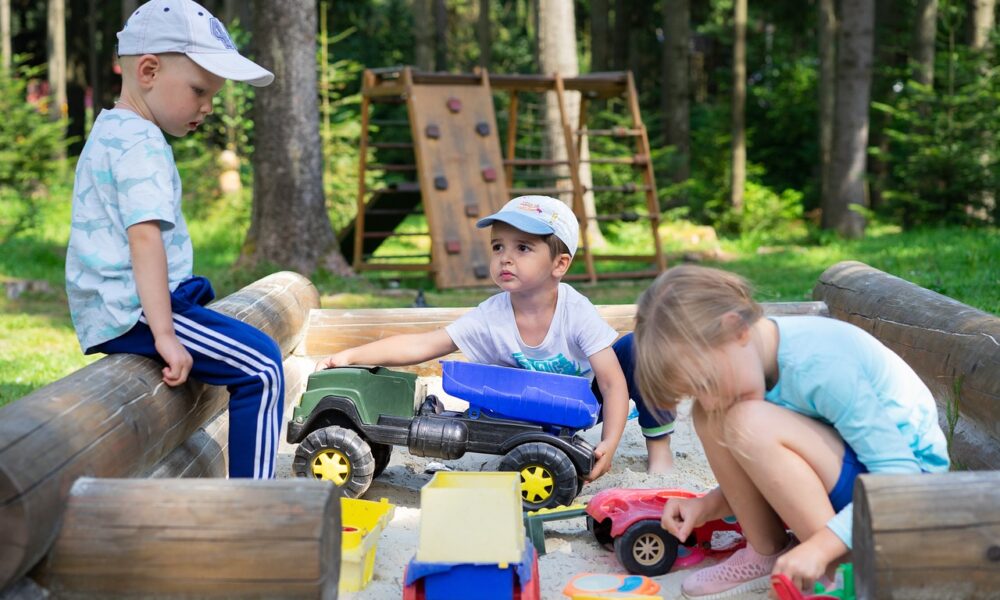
x,y
571,549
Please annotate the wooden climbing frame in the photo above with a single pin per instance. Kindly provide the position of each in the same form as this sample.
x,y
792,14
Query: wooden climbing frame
x,y
461,175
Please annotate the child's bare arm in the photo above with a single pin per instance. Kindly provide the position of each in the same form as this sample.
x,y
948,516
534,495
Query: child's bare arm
x,y
149,265
614,389
397,350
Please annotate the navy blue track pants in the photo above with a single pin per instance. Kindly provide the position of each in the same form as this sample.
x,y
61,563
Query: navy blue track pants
x,y
226,352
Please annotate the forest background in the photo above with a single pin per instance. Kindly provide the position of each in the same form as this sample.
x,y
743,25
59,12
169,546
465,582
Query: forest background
x,y
800,132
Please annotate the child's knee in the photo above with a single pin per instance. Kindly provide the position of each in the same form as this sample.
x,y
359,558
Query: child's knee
x,y
749,425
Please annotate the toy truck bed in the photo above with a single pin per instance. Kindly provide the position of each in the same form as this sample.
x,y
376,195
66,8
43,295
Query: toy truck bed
x,y
547,398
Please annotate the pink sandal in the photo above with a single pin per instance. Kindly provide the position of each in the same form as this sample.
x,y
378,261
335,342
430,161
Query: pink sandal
x,y
744,571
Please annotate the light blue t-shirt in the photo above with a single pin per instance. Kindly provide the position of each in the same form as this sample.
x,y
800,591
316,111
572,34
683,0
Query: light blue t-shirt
x,y
126,175
839,374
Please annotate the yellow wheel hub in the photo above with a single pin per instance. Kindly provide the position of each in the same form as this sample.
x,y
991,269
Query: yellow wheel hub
x,y
536,483
332,465
648,549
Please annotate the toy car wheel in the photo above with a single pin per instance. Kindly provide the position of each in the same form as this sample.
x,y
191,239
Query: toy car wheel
x,y
602,533
382,453
548,477
646,549
339,455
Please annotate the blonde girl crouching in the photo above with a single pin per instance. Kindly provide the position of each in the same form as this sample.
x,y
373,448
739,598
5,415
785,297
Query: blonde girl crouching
x,y
789,410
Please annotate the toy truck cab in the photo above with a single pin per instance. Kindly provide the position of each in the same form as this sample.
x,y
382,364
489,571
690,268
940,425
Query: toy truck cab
x,y
629,519
350,417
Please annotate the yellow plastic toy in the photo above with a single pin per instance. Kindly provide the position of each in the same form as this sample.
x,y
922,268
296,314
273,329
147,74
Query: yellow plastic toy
x,y
471,518
362,524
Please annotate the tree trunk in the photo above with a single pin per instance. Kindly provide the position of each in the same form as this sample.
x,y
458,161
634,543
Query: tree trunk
x,y
56,43
924,36
423,26
620,40
676,84
739,170
827,27
888,59
897,516
6,54
599,36
77,55
485,35
855,40
440,35
980,21
289,226
557,54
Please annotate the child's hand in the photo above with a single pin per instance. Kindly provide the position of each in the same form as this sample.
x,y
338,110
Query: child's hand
x,y
682,515
177,357
803,565
334,360
602,465
809,561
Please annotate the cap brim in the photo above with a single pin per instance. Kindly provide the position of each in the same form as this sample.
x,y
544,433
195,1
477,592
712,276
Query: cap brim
x,y
231,65
517,220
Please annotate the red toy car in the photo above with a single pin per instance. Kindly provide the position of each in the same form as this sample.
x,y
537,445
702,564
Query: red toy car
x,y
629,519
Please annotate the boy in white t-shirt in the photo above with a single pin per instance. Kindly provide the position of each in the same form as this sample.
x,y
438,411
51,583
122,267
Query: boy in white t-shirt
x,y
536,323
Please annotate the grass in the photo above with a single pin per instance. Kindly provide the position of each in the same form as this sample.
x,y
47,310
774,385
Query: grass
x,y
38,345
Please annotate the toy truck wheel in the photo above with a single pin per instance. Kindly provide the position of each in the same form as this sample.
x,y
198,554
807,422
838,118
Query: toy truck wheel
x,y
382,453
602,532
548,477
339,455
646,549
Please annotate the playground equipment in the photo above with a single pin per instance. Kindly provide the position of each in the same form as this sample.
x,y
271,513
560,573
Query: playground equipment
x,y
462,177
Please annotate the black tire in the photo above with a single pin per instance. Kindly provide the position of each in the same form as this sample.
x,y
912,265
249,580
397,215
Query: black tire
x,y
339,455
382,453
548,477
602,533
646,549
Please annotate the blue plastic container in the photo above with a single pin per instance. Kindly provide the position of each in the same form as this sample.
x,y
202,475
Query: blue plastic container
x,y
482,581
523,395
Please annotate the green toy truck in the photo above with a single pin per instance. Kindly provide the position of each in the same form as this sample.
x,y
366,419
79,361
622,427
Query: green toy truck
x,y
349,418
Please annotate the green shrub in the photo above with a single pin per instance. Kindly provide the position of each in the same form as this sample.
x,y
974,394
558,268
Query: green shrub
x,y
30,144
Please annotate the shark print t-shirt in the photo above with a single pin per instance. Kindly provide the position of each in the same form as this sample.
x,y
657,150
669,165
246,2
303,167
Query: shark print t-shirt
x,y
488,335
126,175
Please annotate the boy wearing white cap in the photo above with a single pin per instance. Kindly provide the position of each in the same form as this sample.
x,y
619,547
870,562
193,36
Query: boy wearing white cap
x,y
129,261
536,323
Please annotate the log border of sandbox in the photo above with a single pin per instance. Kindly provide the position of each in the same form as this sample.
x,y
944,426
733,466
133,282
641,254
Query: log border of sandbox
x,y
115,418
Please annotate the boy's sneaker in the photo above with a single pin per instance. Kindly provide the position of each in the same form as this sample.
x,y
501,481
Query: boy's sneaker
x,y
745,571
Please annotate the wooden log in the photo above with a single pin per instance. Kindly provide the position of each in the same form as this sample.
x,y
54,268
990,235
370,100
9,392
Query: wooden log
x,y
953,347
115,418
931,536
332,330
208,538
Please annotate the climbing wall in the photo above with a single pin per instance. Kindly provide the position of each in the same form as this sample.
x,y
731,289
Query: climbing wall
x,y
460,170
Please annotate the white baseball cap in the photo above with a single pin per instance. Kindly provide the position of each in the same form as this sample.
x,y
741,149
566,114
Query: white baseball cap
x,y
540,215
184,26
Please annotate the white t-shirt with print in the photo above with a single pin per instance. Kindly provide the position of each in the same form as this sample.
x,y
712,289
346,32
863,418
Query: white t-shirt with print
x,y
126,175
488,335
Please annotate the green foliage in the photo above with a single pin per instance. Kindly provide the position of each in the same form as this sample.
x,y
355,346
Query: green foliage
x,y
942,158
30,144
